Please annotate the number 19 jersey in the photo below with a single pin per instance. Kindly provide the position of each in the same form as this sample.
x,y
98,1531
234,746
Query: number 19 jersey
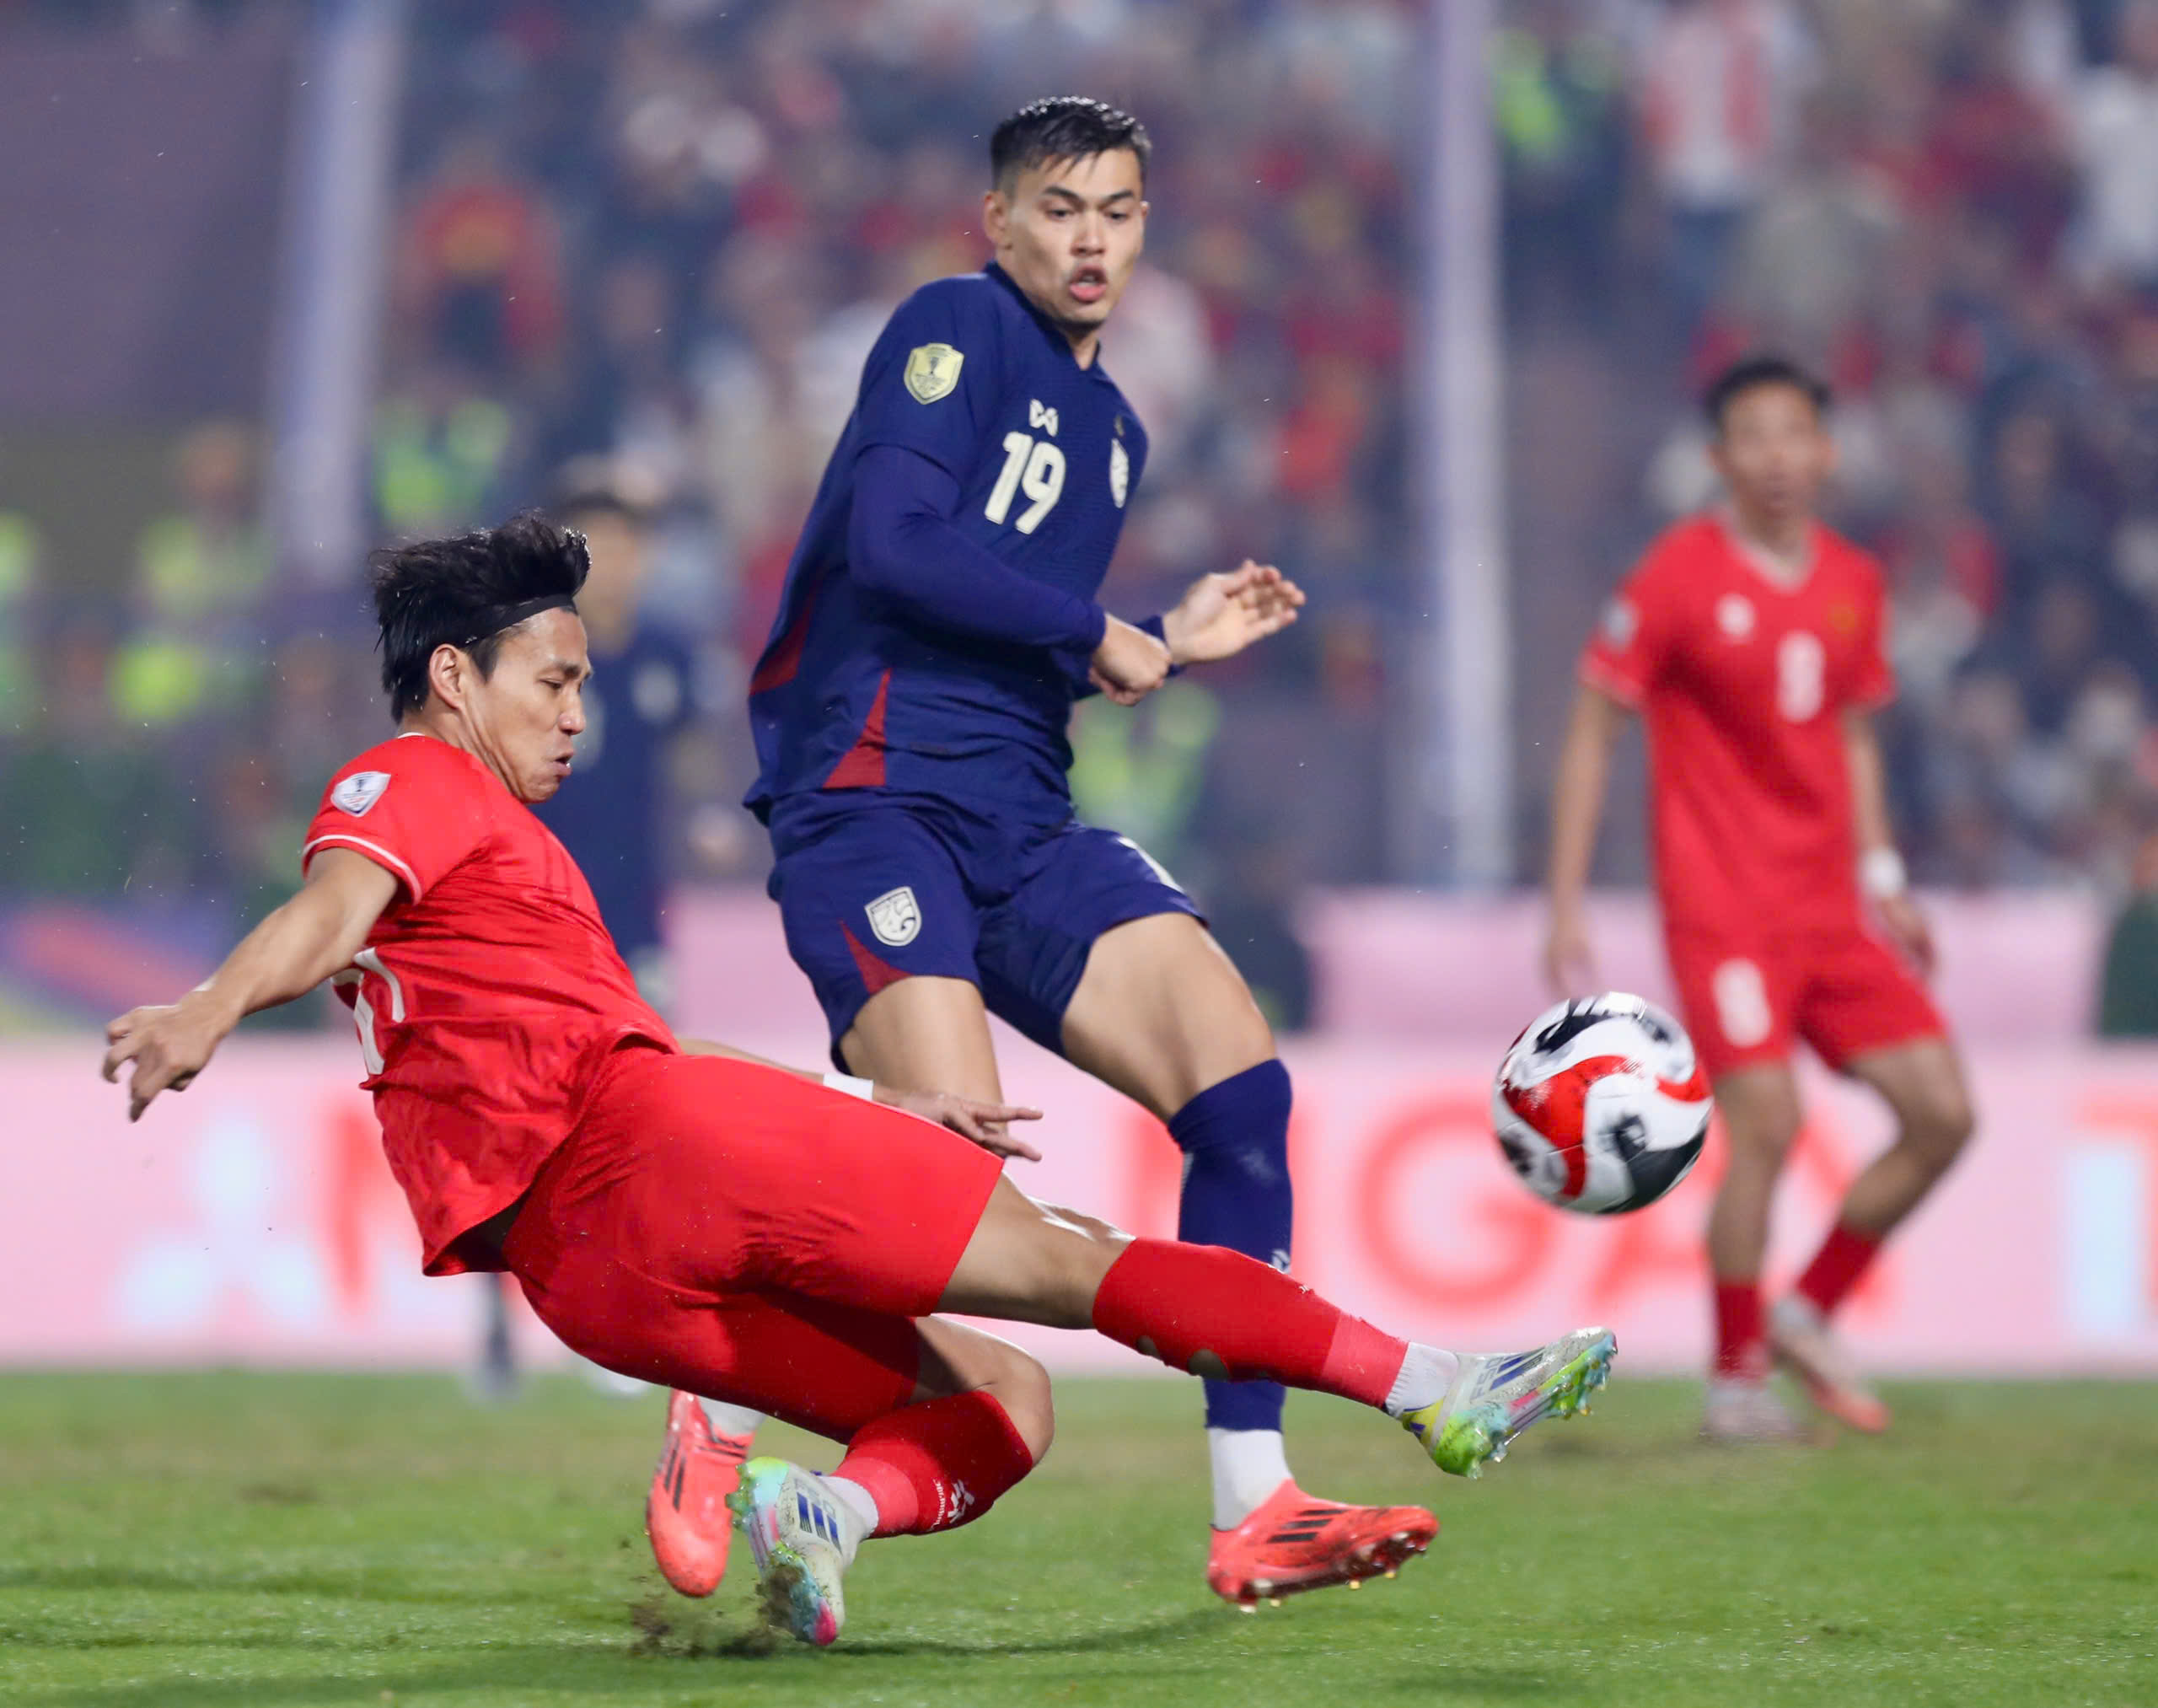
x,y
1742,682
852,692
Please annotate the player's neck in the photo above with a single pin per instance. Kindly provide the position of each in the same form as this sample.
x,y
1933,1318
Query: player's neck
x,y
1781,548
451,730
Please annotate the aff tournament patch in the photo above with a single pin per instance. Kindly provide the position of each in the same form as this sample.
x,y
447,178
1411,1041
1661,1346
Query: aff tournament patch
x,y
359,791
932,370
895,917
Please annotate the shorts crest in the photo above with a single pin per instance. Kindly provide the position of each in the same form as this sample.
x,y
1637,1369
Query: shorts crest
x,y
895,917
932,371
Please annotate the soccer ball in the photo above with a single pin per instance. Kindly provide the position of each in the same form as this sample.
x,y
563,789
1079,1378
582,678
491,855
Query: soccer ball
x,y
1600,1106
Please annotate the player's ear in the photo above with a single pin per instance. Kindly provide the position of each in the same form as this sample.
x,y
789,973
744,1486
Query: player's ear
x,y
995,217
446,674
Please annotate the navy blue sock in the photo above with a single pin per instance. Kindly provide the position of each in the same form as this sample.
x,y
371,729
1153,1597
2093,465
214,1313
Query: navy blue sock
x,y
1234,1140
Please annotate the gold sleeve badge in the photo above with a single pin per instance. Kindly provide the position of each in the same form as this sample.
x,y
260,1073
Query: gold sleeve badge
x,y
932,370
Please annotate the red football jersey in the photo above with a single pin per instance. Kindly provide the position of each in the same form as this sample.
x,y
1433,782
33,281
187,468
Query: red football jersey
x,y
488,991
1741,683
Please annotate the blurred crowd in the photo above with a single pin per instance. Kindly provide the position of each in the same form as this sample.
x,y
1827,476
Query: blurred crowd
x,y
664,233
1949,208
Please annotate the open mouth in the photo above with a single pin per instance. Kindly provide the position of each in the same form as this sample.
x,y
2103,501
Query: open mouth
x,y
1089,284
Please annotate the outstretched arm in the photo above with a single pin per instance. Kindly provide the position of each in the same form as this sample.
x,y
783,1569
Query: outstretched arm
x,y
1576,810
293,950
984,1123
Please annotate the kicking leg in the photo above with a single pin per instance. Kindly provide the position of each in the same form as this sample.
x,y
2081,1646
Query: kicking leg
x,y
1761,1117
1922,1083
1218,1313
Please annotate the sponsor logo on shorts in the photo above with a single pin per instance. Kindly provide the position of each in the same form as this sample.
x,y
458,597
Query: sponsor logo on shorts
x,y
359,791
895,917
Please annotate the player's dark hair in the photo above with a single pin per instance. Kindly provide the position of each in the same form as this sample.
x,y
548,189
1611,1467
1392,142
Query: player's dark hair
x,y
1063,127
468,591
1752,372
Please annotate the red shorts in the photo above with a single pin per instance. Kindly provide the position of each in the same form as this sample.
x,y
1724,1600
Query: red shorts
x,y
1840,988
743,1234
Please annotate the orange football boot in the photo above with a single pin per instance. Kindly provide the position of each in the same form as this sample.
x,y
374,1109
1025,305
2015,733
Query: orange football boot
x,y
685,1513
1292,1542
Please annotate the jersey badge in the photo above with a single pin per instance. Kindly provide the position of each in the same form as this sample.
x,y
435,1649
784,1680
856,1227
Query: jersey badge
x,y
1119,472
1735,617
895,917
1040,415
933,370
359,791
1843,617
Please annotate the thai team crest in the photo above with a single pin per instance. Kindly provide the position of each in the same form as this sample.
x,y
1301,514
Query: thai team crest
x,y
895,917
932,370
1119,472
359,791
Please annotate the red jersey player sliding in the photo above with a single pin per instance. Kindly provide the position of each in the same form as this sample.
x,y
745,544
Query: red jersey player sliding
x,y
1750,639
685,1214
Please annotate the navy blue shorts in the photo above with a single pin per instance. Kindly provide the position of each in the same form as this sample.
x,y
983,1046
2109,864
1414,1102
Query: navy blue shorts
x,y
876,887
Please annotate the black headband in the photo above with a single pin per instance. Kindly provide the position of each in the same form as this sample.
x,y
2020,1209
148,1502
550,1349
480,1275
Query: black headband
x,y
509,616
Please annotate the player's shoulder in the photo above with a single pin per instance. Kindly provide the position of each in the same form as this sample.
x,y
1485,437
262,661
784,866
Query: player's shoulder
x,y
414,763
962,302
1686,548
1848,561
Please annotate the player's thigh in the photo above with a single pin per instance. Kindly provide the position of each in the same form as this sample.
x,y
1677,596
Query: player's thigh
x,y
1760,1109
1162,1014
871,899
1100,956
715,1177
925,1034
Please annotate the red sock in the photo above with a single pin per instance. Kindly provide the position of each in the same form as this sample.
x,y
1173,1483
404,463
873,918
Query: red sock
x,y
1843,1257
935,1465
1215,1312
1741,1351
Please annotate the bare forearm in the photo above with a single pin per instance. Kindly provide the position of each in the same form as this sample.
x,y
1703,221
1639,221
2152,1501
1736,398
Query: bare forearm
x,y
285,956
1578,796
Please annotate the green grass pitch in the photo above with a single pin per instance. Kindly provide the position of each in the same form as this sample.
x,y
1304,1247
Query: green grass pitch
x,y
189,1540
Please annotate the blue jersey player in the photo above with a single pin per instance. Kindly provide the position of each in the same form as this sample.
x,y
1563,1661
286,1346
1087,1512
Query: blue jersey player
x,y
909,710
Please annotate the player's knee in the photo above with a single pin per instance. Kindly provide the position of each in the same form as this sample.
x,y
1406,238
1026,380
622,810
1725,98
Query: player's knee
x,y
1939,1122
1022,1389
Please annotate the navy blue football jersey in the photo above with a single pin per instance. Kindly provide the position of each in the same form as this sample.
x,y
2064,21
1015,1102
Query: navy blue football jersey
x,y
856,689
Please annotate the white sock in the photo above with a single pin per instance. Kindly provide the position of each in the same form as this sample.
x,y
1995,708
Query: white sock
x,y
1424,1376
730,1420
1248,1465
855,1502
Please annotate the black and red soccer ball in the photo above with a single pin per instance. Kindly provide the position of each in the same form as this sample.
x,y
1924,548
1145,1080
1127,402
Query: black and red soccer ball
x,y
1600,1106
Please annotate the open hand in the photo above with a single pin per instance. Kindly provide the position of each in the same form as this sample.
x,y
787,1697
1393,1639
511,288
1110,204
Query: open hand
x,y
1222,614
168,1043
984,1123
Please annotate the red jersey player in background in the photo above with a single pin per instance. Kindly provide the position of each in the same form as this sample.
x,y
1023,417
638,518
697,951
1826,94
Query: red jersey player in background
x,y
687,1214
1750,641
